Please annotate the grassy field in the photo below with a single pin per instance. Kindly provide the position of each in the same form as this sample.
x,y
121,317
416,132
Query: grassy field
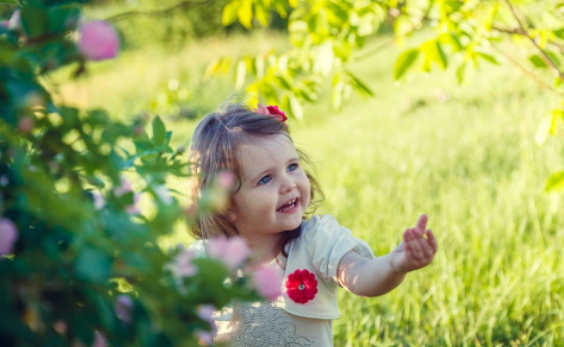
x,y
465,155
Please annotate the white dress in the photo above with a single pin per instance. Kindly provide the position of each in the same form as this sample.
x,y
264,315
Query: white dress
x,y
285,322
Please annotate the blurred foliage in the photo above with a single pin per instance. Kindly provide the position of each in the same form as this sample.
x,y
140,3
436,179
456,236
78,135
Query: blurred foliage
x,y
169,23
81,235
327,37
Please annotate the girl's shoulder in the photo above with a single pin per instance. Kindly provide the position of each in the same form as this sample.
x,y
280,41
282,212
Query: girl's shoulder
x,y
326,232
323,242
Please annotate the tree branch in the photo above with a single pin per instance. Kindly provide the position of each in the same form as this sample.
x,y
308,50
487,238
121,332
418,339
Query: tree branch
x,y
528,73
161,12
548,61
518,31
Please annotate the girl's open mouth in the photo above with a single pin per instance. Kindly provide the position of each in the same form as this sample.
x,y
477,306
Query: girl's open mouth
x,y
289,207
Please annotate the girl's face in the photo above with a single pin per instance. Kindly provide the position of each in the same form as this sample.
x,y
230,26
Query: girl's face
x,y
275,190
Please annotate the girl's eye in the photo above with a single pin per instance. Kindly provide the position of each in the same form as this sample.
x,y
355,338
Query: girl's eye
x,y
293,167
265,180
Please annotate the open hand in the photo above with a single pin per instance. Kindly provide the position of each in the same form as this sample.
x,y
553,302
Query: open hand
x,y
417,249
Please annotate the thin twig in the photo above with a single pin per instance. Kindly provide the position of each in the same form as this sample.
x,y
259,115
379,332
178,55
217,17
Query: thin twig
x,y
531,75
548,61
518,31
374,50
161,12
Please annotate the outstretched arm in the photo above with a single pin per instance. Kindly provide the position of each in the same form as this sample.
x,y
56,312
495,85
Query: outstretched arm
x,y
373,277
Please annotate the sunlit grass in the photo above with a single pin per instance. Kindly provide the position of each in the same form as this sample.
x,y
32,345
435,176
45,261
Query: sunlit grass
x,y
465,155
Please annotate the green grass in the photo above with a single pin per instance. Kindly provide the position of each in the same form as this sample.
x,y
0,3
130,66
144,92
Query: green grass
x,y
470,162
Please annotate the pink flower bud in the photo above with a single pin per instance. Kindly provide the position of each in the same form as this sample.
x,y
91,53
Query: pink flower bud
x,y
182,265
60,327
122,307
5,24
8,236
99,340
268,282
226,179
233,251
15,22
98,41
206,337
26,125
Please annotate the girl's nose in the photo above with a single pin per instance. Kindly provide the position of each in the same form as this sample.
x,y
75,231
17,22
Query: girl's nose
x,y
288,186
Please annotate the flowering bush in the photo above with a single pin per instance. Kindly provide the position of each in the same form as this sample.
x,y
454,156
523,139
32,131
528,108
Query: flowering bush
x,y
79,259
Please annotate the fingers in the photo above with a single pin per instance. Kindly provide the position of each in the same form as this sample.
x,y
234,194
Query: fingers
x,y
431,240
422,223
421,249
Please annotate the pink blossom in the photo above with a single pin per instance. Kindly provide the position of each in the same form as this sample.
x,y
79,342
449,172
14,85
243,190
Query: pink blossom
x,y
205,312
98,41
99,340
60,327
125,187
15,21
5,24
226,179
26,125
8,236
182,265
233,251
268,282
122,307
205,337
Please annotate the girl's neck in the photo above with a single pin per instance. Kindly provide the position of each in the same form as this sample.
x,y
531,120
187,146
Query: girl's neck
x,y
263,249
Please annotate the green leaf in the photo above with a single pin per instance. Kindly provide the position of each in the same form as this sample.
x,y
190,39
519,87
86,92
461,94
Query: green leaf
x,y
559,33
284,82
487,57
230,12
14,2
337,97
359,86
442,58
460,72
245,13
92,265
555,183
159,131
404,62
62,17
537,61
262,13
35,20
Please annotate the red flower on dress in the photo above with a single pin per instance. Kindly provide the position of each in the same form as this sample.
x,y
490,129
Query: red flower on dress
x,y
273,111
301,286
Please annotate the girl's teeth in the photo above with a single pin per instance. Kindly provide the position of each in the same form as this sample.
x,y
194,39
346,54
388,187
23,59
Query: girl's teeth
x,y
289,206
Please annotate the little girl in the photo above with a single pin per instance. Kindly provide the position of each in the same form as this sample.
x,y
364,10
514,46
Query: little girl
x,y
268,209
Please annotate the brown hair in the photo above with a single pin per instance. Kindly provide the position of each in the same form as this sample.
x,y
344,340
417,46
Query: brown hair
x,y
214,149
